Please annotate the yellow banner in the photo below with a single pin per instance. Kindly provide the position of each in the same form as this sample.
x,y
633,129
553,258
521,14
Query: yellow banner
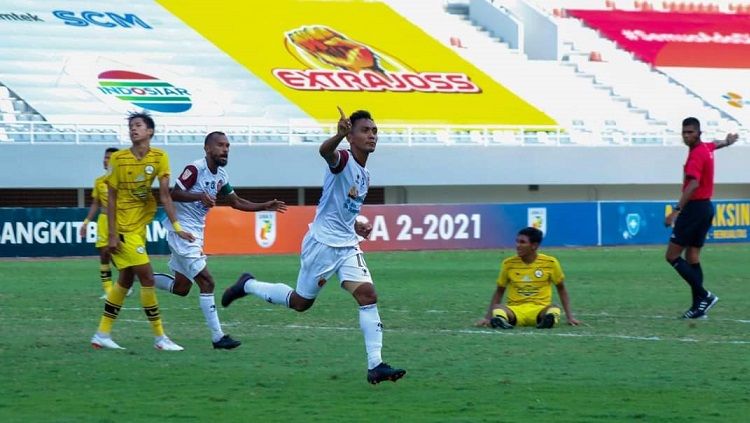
x,y
356,54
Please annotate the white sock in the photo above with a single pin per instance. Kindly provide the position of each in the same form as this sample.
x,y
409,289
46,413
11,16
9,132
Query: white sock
x,y
208,306
163,282
372,329
274,293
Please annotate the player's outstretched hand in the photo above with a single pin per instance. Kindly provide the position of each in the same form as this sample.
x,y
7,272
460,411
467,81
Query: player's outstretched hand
x,y
483,323
275,205
208,200
345,125
731,139
186,236
572,321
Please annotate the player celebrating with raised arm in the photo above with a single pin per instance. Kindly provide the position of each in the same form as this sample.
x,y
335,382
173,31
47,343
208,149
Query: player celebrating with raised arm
x,y
131,207
693,214
194,194
331,245
528,278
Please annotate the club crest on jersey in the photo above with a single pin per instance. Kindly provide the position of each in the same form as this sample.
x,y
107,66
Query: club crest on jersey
x,y
265,229
148,169
538,273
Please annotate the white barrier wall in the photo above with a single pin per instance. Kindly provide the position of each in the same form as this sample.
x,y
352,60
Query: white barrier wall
x,y
476,167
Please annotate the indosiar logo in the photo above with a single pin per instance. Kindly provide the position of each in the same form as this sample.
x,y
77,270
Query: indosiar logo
x,y
103,19
335,62
144,91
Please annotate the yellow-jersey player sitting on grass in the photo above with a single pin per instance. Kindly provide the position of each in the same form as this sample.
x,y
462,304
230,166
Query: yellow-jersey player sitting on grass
x,y
528,277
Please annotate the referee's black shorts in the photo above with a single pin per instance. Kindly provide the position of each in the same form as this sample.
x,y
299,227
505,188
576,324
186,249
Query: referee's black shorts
x,y
693,223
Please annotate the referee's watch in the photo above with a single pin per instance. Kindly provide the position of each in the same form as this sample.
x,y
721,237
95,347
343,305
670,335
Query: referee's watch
x,y
677,208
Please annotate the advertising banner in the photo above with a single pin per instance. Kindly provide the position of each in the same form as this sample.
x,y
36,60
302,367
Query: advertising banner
x,y
319,54
676,39
643,222
408,227
54,232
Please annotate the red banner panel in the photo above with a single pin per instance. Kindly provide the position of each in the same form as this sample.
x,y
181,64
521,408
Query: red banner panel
x,y
676,39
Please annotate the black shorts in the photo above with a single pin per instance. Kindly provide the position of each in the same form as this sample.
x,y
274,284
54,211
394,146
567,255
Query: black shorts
x,y
693,223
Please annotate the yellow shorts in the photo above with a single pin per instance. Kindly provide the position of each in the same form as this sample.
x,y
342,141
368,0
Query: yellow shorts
x,y
132,251
102,231
526,313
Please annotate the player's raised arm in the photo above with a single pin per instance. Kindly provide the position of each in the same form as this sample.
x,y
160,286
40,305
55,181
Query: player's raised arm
x,y
328,148
726,142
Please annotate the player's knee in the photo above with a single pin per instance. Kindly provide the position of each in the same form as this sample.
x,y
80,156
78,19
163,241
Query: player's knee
x,y
300,304
181,290
365,295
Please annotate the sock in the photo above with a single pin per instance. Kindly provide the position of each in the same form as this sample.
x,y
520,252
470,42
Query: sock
x,y
105,273
115,298
274,293
163,282
691,276
555,311
372,329
151,308
208,306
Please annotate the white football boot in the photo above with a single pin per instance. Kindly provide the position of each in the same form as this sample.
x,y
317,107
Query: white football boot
x,y
165,344
104,342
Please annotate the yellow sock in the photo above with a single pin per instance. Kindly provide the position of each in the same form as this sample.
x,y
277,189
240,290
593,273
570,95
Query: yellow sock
x,y
151,308
105,273
555,311
115,298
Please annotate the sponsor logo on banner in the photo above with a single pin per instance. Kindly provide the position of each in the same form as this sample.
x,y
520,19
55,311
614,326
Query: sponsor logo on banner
x,y
734,99
265,228
144,91
537,218
335,62
20,17
633,224
101,19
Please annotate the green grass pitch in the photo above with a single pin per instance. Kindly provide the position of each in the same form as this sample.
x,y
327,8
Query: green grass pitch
x,y
632,360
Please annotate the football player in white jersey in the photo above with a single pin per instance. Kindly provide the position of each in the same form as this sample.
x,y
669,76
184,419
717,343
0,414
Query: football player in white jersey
x,y
194,194
331,245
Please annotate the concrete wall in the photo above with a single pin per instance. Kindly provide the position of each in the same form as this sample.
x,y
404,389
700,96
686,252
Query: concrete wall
x,y
469,173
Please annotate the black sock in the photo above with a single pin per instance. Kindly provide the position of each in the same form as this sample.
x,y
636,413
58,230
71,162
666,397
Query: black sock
x,y
699,271
693,276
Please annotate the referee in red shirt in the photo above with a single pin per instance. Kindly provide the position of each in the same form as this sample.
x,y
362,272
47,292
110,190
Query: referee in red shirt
x,y
693,214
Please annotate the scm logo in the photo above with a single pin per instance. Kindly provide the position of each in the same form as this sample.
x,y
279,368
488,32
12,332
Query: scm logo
x,y
105,19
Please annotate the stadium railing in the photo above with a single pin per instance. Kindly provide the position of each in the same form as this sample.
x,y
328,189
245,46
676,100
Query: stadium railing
x,y
33,132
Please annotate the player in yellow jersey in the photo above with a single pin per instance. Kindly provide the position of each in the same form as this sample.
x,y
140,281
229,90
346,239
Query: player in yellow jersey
x,y
528,277
99,203
131,207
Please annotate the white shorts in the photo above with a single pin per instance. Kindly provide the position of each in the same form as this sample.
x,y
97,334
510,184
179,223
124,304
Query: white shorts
x,y
187,257
318,262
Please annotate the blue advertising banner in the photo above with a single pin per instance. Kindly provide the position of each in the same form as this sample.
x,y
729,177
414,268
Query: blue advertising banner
x,y
54,232
642,222
468,226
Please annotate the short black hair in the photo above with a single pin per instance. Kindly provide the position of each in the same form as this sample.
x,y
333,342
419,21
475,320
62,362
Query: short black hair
x,y
211,135
691,121
534,234
142,115
359,114
111,150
